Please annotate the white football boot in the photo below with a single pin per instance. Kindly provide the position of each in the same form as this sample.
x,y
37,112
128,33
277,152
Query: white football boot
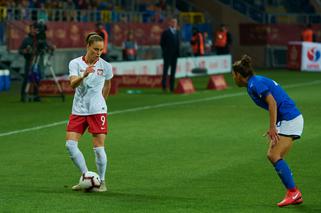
x,y
102,188
76,187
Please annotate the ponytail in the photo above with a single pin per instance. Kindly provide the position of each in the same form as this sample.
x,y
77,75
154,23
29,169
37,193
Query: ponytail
x,y
244,66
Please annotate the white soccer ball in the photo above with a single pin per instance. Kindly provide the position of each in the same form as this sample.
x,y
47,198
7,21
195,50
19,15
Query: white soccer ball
x,y
89,180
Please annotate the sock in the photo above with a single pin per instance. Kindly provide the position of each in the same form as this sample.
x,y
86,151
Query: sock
x,y
76,155
101,161
284,172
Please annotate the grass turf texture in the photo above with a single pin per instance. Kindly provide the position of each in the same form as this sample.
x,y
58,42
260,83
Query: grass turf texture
x,y
186,153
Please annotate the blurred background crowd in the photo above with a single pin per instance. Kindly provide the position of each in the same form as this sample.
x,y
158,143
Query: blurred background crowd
x,y
262,27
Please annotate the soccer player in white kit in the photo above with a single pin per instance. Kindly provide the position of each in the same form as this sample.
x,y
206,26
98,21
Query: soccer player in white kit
x,y
90,76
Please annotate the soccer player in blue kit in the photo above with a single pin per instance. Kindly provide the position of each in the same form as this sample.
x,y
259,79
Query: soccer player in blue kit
x,y
286,121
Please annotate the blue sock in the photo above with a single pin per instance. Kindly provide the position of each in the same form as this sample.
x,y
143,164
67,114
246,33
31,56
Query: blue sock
x,y
284,172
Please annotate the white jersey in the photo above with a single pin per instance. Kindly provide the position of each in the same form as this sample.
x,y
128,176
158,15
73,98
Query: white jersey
x,y
88,99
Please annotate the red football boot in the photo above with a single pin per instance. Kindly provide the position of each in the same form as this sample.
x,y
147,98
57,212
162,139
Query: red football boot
x,y
291,198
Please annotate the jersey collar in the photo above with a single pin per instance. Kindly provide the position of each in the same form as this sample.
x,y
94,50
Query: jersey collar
x,y
84,60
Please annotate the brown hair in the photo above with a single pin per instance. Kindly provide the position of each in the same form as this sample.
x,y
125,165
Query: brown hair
x,y
244,66
93,37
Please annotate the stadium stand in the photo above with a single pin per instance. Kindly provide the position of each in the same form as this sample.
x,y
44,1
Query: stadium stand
x,y
123,14
119,15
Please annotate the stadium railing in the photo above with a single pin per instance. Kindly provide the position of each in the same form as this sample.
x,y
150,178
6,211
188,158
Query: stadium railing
x,y
192,17
261,16
293,18
107,16
251,11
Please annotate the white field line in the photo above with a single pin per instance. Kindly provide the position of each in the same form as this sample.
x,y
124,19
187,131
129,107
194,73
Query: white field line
x,y
152,107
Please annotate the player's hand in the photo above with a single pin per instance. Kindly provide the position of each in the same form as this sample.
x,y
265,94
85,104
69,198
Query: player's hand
x,y
273,135
88,70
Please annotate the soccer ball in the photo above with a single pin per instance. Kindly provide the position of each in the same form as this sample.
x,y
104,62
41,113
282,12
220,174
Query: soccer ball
x,y
89,180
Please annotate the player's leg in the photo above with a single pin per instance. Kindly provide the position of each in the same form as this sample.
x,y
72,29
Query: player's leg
x,y
100,154
288,132
75,154
75,128
98,128
101,160
276,154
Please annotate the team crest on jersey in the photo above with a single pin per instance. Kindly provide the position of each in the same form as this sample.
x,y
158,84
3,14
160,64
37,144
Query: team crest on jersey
x,y
100,71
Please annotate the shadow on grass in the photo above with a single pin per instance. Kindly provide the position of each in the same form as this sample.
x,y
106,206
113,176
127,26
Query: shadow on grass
x,y
114,195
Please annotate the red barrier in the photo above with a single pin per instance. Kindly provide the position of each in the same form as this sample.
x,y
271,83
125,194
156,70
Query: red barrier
x,y
217,82
185,85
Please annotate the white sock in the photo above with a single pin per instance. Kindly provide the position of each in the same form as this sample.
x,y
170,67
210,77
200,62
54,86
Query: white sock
x,y
76,155
101,161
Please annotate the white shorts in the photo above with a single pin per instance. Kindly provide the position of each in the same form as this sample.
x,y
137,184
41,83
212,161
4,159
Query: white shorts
x,y
292,128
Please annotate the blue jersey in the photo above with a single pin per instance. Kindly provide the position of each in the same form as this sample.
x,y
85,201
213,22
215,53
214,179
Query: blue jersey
x,y
259,87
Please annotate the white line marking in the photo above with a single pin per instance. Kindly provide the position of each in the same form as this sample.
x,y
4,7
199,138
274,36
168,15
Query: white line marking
x,y
33,128
152,107
177,103
303,84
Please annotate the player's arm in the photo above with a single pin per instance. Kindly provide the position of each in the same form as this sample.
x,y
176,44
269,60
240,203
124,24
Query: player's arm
x,y
272,133
75,81
106,88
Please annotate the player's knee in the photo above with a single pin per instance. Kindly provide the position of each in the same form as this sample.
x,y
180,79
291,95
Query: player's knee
x,y
99,143
272,157
268,156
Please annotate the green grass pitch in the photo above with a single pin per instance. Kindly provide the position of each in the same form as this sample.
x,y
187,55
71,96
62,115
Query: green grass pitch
x,y
202,152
